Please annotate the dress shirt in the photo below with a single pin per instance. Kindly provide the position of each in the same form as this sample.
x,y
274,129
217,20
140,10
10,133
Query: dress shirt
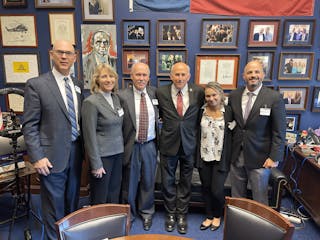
x,y
185,97
245,98
151,113
62,87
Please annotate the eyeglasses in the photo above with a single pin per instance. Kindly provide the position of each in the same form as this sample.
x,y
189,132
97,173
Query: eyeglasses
x,y
67,53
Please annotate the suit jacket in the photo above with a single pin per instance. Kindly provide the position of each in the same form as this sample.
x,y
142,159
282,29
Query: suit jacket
x,y
261,136
129,123
175,129
102,128
46,123
224,164
256,37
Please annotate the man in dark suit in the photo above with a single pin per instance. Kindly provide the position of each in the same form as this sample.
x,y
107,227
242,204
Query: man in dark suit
x,y
140,155
259,136
259,36
52,140
179,105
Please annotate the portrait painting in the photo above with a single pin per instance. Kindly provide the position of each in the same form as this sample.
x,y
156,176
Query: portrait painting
x,y
99,45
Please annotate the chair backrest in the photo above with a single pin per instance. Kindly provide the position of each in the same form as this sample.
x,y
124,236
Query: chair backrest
x,y
95,222
248,219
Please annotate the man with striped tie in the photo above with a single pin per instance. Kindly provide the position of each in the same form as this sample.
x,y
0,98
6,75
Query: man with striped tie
x,y
51,131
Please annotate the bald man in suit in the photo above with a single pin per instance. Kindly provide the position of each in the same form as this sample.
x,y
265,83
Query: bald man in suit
x,y
179,106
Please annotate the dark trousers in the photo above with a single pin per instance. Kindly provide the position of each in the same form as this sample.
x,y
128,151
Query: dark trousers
x,y
142,172
60,191
176,195
107,188
212,180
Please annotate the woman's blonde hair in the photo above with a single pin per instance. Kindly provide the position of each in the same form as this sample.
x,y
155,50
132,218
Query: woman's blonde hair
x,y
97,72
217,87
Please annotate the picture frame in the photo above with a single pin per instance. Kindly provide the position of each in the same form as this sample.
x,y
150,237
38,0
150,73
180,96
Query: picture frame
x,y
54,4
162,81
19,67
219,68
166,57
292,122
266,58
318,71
315,105
298,32
263,33
126,83
132,56
295,65
219,33
171,32
62,26
136,32
14,3
295,98
98,10
291,137
18,30
15,102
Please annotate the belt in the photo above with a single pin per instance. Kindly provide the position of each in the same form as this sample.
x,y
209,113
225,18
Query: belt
x,y
139,142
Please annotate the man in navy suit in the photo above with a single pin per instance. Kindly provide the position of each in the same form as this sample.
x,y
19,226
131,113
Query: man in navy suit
x,y
53,143
259,136
179,106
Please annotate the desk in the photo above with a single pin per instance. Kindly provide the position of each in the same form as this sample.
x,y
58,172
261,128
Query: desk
x,y
151,237
303,182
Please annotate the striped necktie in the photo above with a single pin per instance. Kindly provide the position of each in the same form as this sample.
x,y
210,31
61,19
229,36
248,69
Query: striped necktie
x,y
143,120
71,110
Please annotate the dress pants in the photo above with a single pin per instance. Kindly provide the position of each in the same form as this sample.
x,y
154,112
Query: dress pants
x,y
212,180
142,179
60,191
176,196
107,189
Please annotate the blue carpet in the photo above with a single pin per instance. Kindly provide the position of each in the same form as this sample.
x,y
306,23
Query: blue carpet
x,y
307,231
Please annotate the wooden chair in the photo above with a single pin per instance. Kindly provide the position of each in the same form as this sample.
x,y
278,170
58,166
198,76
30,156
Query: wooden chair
x,y
95,222
246,219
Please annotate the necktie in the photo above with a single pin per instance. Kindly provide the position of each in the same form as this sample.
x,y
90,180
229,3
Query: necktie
x,y
248,106
143,120
180,104
71,110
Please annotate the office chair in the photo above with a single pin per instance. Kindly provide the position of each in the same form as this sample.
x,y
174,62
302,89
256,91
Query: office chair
x,y
246,219
95,222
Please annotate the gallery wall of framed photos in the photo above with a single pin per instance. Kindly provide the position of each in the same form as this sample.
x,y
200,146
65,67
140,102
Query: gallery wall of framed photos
x,y
287,46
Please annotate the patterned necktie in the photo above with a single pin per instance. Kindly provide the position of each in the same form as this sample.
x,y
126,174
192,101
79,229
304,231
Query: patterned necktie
x,y
180,104
248,106
71,110
143,120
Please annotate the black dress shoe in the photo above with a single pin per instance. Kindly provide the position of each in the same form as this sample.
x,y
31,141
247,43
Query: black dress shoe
x,y
147,223
203,227
213,227
170,222
182,224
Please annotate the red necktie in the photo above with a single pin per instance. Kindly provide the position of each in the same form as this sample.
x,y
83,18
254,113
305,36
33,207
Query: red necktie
x,y
180,104
143,120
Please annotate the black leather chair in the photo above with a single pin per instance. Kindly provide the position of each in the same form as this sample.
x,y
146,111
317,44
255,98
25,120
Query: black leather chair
x,y
95,222
247,219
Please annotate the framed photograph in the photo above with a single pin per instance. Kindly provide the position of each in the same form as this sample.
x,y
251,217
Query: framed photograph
x,y
98,10
219,33
266,58
171,32
292,122
298,33
126,82
14,3
263,33
15,102
217,68
54,3
291,137
18,30
162,81
295,98
315,107
295,66
136,32
19,67
167,57
132,56
62,27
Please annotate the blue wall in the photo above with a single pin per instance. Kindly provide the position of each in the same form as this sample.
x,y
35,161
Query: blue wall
x,y
193,24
